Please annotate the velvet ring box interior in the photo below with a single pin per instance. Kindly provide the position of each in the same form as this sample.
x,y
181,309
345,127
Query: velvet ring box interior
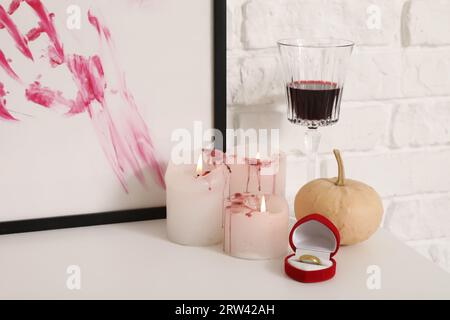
x,y
317,236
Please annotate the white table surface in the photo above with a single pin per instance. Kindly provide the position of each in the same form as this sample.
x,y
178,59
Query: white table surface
x,y
136,261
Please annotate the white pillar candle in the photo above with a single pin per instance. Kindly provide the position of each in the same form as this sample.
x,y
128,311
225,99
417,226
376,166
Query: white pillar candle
x,y
256,227
195,201
258,175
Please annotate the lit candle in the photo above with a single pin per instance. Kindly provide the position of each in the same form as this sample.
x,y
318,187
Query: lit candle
x,y
258,175
199,169
194,198
256,227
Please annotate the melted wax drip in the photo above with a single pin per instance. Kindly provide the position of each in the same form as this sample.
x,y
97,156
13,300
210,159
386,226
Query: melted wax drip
x,y
235,204
124,138
240,201
256,165
215,159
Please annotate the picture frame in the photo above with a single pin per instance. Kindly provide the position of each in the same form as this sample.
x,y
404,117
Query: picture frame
x,y
120,216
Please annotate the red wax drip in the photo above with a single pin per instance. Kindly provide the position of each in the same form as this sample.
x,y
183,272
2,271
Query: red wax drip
x,y
258,165
240,201
215,159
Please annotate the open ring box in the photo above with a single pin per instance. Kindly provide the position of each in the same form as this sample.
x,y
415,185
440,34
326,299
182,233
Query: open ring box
x,y
317,236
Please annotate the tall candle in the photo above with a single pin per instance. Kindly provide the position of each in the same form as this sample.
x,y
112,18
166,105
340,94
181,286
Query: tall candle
x,y
256,227
258,174
194,198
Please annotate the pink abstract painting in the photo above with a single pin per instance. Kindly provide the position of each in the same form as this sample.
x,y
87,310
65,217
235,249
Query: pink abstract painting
x,y
107,71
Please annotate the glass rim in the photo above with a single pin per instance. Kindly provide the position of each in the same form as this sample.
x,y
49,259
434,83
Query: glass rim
x,y
315,43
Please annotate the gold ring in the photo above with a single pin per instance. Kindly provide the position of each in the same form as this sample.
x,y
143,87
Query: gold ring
x,y
307,258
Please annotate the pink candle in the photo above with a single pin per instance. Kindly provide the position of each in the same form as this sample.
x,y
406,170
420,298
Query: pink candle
x,y
256,227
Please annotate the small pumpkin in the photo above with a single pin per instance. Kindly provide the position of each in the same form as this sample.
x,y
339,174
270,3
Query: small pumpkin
x,y
354,207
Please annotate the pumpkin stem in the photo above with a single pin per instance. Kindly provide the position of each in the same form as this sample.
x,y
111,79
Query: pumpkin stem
x,y
341,173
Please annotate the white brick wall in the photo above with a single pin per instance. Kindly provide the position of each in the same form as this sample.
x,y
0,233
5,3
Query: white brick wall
x,y
427,22
395,119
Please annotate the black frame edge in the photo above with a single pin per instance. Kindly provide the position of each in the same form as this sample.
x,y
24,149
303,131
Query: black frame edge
x,y
220,68
82,220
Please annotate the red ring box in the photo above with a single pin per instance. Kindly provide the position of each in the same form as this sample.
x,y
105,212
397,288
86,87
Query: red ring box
x,y
314,235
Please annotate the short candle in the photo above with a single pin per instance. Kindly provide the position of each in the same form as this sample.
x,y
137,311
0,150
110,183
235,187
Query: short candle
x,y
256,226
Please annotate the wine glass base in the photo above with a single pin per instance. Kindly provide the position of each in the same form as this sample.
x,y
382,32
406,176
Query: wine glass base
x,y
312,124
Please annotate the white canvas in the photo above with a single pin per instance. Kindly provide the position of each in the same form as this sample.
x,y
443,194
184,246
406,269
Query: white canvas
x,y
53,164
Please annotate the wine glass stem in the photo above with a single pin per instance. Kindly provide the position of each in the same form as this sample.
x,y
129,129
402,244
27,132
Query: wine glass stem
x,y
312,142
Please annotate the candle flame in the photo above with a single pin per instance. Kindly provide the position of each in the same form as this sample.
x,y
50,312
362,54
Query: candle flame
x,y
263,204
200,165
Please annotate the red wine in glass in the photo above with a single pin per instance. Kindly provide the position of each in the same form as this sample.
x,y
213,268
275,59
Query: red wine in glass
x,y
313,103
313,74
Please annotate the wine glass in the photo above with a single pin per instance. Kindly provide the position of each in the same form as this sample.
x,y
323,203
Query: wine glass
x,y
314,73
